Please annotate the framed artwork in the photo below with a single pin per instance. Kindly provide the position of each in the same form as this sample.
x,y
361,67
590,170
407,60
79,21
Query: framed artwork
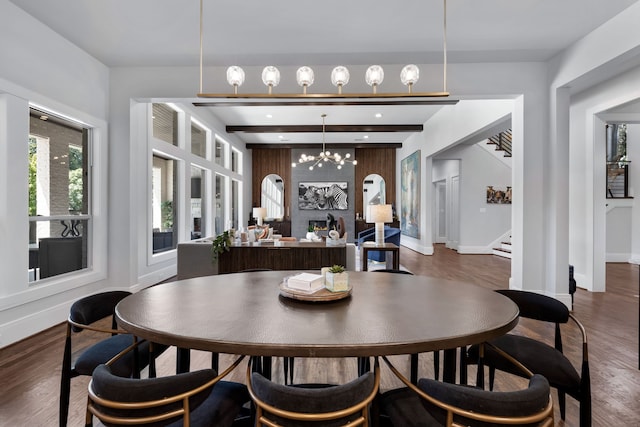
x,y
410,195
323,196
498,195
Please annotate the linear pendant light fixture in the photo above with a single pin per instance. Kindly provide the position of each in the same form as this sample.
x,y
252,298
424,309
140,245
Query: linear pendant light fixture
x,y
339,78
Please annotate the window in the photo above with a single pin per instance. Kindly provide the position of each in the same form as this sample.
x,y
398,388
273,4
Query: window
x,y
235,204
236,159
198,140
59,215
197,191
220,205
165,123
163,196
221,152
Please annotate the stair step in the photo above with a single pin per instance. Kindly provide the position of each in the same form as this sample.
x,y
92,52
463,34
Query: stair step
x,y
505,246
505,253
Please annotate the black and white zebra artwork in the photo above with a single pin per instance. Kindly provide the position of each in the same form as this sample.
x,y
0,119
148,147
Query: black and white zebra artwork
x,y
322,196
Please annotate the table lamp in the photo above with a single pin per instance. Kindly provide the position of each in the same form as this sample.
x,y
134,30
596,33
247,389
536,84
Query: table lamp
x,y
259,214
379,214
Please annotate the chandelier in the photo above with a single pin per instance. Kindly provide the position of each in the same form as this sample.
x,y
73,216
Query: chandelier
x,y
374,77
325,156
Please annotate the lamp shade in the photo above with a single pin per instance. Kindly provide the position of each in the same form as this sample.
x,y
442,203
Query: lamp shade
x,y
259,214
380,213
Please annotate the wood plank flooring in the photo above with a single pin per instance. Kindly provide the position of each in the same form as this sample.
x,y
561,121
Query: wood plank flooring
x,y
30,369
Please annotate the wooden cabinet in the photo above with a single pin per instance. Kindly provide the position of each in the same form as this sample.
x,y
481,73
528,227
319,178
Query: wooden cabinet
x,y
289,256
282,228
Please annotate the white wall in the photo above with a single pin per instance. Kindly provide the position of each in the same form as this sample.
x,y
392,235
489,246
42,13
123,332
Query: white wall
x,y
481,224
41,67
587,213
576,212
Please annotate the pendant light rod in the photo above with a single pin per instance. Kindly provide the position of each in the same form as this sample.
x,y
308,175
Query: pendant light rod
x,y
201,1
444,42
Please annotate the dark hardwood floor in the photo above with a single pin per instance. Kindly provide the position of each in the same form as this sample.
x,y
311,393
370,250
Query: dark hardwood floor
x,y
30,369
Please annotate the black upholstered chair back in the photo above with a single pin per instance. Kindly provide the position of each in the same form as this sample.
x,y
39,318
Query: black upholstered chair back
x,y
512,404
537,306
90,309
196,398
106,385
301,406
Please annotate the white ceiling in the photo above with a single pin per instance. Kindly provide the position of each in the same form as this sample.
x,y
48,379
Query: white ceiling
x,y
123,33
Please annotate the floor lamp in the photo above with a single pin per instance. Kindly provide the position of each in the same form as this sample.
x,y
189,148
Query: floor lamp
x,y
379,214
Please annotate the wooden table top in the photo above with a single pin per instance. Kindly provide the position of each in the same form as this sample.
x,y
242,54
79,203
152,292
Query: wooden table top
x,y
386,314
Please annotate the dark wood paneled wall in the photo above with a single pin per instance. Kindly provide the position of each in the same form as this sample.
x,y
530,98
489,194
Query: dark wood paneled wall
x,y
376,160
266,161
381,161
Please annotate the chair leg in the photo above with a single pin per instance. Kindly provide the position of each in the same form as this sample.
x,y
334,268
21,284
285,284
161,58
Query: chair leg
x,y
585,411
562,403
436,364
463,365
414,368
65,383
492,377
287,364
215,361
364,365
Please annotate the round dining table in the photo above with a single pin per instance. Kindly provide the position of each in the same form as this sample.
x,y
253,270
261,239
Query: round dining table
x,y
385,314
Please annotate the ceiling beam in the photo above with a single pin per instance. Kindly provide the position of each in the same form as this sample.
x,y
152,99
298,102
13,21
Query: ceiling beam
x,y
328,128
332,146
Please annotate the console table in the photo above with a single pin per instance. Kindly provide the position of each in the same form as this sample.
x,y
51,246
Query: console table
x,y
284,256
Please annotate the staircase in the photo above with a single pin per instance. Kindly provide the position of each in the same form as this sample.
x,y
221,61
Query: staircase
x,y
502,141
504,250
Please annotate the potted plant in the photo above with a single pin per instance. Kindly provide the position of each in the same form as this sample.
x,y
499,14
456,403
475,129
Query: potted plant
x,y
337,279
221,244
311,232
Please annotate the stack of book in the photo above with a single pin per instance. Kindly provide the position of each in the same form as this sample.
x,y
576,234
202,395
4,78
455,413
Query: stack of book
x,y
307,282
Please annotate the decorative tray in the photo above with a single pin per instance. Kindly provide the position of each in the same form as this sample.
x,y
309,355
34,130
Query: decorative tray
x,y
321,295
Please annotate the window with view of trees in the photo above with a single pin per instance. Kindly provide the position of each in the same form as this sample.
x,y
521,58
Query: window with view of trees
x,y
58,196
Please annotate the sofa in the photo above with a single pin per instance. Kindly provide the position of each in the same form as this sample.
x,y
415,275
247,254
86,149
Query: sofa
x,y
391,235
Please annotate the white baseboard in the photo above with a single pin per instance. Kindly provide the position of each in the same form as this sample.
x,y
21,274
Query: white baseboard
x,y
484,250
415,245
155,277
618,257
